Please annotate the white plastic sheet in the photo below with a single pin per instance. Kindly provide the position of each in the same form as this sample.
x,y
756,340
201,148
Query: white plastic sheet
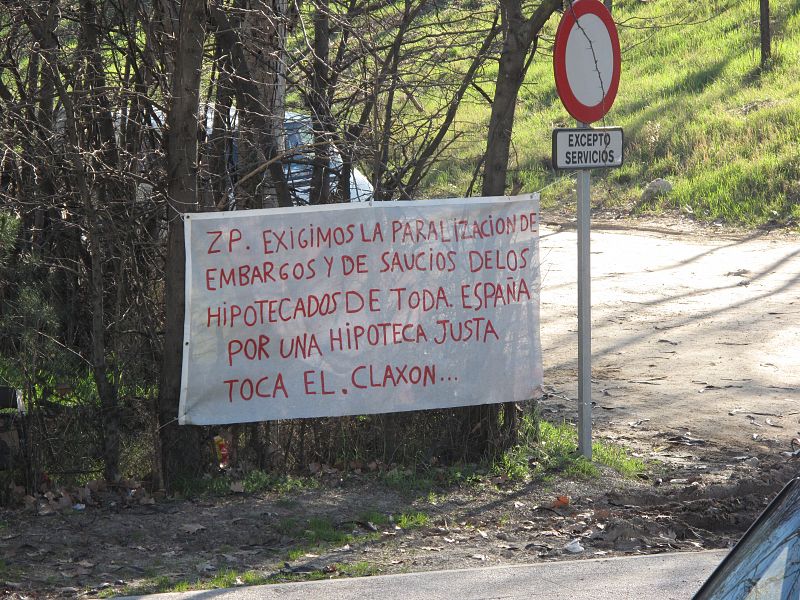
x,y
357,309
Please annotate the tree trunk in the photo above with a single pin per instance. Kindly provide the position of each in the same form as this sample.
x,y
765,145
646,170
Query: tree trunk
x,y
99,127
520,36
180,446
250,99
220,142
766,44
262,33
320,109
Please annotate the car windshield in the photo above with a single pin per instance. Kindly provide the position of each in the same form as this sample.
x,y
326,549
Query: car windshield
x,y
766,563
297,133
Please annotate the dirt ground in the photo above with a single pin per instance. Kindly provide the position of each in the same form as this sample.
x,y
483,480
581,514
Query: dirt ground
x,y
696,333
696,368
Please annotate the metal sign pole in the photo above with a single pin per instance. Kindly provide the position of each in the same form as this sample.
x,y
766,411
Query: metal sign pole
x,y
584,317
576,61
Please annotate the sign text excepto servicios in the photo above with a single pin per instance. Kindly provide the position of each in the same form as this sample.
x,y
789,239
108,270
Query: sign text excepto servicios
x,y
587,148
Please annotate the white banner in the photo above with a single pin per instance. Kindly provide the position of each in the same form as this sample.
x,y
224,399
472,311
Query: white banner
x,y
357,309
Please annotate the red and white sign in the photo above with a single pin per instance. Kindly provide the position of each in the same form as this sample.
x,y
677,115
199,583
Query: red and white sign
x,y
586,60
351,309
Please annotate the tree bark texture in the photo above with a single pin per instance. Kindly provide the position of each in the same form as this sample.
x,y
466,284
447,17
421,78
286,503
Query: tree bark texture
x,y
262,34
180,446
766,34
320,107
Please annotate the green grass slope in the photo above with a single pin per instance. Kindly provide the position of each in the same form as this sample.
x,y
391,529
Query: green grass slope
x,y
696,108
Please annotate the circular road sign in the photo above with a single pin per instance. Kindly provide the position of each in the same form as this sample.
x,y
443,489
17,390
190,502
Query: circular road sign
x,y
586,60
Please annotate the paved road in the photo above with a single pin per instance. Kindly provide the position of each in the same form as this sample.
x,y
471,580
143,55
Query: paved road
x,y
663,576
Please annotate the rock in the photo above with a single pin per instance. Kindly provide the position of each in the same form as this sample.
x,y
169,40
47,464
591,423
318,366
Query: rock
x,y
657,187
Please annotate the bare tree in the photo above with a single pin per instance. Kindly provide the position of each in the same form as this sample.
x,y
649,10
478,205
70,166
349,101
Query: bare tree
x,y
70,175
764,28
117,118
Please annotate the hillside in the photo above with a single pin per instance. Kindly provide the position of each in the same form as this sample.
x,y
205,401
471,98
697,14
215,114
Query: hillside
x,y
696,108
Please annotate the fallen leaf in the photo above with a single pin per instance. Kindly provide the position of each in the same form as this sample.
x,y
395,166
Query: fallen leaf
x,y
687,440
538,545
560,502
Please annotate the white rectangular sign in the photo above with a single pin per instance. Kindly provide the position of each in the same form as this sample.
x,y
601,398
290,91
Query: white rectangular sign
x,y
586,148
356,309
